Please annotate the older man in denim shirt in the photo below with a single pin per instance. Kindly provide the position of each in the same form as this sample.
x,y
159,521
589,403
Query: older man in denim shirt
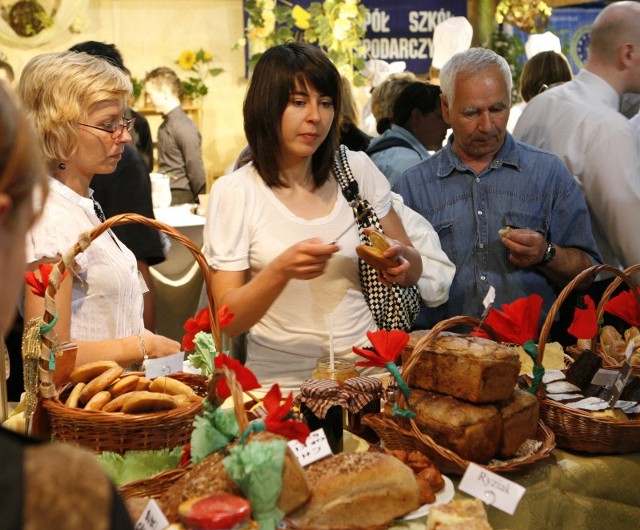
x,y
484,181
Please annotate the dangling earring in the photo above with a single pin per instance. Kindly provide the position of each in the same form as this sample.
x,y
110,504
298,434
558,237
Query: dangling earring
x,y
62,166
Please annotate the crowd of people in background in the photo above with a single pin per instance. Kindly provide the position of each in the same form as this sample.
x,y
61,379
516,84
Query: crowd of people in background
x,y
463,204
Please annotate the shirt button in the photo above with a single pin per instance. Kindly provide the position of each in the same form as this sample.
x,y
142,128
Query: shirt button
x,y
479,212
483,278
481,245
477,179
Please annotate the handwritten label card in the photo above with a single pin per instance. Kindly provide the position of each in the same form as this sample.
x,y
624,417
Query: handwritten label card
x,y
152,518
164,365
492,489
316,448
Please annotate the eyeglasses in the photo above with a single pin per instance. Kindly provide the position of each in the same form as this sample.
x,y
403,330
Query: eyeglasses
x,y
114,128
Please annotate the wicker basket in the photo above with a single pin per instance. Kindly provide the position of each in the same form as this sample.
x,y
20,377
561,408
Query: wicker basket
x,y
118,432
155,486
578,429
405,434
610,362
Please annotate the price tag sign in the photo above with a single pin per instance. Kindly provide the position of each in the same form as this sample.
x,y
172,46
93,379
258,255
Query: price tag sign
x,y
171,364
152,518
316,448
492,489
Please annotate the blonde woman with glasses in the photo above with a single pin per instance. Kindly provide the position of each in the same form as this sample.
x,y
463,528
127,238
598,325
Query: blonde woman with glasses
x,y
77,104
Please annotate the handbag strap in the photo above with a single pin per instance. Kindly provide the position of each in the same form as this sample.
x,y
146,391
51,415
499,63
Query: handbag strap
x,y
363,212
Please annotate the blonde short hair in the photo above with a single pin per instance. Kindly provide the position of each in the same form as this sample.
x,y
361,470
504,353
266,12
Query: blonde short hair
x,y
59,89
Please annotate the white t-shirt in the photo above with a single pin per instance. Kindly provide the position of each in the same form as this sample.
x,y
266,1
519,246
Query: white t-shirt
x,y
107,298
247,227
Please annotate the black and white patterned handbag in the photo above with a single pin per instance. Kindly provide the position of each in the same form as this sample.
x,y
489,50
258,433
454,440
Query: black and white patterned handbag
x,y
392,306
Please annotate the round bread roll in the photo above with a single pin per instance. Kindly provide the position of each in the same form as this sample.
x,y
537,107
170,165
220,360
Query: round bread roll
x,y
125,384
98,401
72,400
374,254
102,382
115,405
144,401
171,386
89,371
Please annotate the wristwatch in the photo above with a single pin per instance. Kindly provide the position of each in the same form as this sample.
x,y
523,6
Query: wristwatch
x,y
549,255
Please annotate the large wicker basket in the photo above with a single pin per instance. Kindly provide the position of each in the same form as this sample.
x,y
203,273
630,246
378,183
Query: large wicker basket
x,y
118,432
578,429
155,486
405,434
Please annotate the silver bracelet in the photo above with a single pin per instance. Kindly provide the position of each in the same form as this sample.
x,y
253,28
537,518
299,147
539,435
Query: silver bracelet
x,y
143,348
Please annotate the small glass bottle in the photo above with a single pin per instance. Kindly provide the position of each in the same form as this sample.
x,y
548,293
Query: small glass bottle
x,y
363,397
343,369
321,405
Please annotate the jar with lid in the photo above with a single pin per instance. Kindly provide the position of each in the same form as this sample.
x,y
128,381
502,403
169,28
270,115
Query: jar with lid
x,y
342,369
219,511
321,404
363,397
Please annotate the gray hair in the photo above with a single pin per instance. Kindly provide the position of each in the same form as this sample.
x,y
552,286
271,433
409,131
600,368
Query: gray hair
x,y
471,62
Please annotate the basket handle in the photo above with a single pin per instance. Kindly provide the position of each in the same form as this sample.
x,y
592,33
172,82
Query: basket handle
x,y
236,395
86,238
591,271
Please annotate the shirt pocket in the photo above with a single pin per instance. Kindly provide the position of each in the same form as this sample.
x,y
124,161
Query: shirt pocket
x,y
539,223
447,240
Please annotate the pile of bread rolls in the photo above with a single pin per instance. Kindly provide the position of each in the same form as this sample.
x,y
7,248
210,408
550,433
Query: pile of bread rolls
x,y
104,386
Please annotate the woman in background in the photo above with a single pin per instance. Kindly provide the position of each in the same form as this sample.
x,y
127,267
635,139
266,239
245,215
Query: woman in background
x,y
77,104
544,70
41,485
273,234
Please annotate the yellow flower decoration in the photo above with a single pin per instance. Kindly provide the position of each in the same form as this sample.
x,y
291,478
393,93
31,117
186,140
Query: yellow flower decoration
x,y
187,59
301,17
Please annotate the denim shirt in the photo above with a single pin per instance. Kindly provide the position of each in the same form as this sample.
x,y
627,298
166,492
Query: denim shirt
x,y
523,187
392,162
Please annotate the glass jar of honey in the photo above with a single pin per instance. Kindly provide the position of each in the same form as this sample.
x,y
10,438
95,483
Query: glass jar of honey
x,y
343,369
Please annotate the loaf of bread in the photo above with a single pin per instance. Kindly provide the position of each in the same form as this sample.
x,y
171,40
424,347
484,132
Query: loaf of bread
x,y
210,476
357,491
469,430
520,415
470,368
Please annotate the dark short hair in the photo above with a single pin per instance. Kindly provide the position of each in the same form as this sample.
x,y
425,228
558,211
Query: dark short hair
x,y
101,49
280,70
417,95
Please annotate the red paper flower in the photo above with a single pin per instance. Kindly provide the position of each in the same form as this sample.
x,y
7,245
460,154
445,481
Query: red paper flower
x,y
39,287
625,307
585,324
276,421
516,323
246,378
185,456
201,322
387,347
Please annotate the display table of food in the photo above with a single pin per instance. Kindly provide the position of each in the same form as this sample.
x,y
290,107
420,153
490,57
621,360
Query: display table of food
x,y
569,491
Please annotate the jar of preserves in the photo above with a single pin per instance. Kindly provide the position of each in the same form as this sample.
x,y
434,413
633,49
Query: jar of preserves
x,y
219,511
363,397
322,403
342,370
